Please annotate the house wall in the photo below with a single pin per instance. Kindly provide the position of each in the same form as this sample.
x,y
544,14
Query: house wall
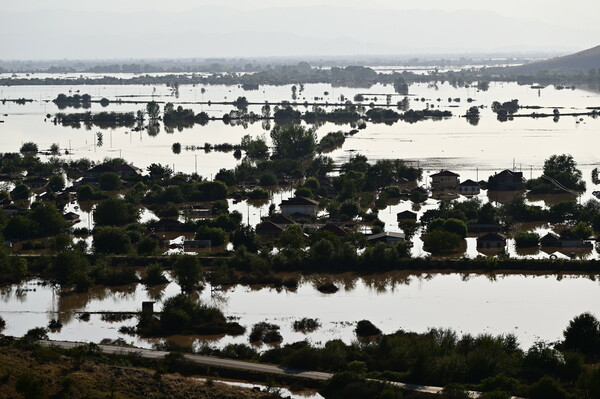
x,y
302,209
441,182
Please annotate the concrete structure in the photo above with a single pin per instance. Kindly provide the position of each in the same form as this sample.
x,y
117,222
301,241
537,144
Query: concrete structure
x,y
445,180
469,187
491,240
507,180
299,206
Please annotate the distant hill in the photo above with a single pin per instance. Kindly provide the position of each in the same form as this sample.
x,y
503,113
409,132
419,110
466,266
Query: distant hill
x,y
581,61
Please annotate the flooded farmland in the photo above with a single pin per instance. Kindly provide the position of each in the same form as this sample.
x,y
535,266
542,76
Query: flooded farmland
x,y
531,307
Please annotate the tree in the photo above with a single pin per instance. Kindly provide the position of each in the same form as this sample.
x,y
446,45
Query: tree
x,y
110,181
72,268
54,149
56,183
176,148
583,335
441,241
582,230
147,246
111,240
217,236
292,237
159,172
29,147
456,226
563,168
153,110
187,272
527,239
245,236
48,218
115,212
400,86
21,191
293,141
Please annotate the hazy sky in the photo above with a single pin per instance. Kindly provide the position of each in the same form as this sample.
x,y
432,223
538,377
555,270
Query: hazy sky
x,y
573,13
83,29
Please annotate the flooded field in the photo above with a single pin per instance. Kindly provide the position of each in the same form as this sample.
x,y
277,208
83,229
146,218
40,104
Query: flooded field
x,y
475,152
531,307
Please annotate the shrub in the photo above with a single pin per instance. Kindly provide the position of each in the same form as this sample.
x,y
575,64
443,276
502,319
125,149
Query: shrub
x,y
526,239
365,328
306,324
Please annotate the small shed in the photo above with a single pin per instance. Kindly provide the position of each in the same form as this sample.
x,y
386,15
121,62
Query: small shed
x,y
491,240
406,216
550,240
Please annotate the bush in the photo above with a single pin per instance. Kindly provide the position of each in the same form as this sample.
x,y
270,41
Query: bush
x,y
30,386
154,275
265,332
29,147
365,328
526,239
547,388
306,324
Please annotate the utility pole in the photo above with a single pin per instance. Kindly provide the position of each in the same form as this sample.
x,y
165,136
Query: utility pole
x,y
196,163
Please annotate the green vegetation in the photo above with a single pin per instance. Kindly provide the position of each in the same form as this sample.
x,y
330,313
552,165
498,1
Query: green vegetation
x,y
183,315
527,239
559,170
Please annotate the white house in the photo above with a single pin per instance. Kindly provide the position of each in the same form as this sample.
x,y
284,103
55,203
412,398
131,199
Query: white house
x,y
299,205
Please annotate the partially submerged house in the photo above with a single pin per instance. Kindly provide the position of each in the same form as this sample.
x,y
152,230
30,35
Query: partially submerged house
x,y
123,170
72,218
507,180
268,230
445,180
491,240
335,229
299,206
36,182
469,187
387,236
406,216
550,240
281,219
169,226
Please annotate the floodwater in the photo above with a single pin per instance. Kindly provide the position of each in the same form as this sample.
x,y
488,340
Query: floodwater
x,y
533,307
475,152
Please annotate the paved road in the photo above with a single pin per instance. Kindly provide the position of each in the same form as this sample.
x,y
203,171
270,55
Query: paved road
x,y
239,365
